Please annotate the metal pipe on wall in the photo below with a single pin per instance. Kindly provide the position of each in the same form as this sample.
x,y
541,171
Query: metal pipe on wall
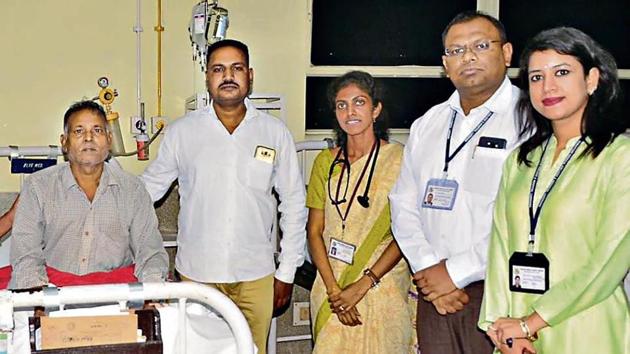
x,y
138,29
10,151
54,150
159,29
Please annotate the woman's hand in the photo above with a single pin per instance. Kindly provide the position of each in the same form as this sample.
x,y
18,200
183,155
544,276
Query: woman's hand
x,y
333,291
519,346
514,345
350,317
510,327
508,336
506,327
350,296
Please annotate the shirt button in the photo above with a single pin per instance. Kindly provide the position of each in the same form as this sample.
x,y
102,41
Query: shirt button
x,y
87,233
83,260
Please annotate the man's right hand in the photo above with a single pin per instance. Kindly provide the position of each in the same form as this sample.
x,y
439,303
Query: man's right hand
x,y
451,302
434,281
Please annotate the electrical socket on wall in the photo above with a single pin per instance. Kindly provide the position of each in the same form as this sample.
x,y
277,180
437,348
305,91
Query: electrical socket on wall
x,y
301,314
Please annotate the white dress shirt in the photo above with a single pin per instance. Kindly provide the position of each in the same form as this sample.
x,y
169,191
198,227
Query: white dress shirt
x,y
227,208
461,235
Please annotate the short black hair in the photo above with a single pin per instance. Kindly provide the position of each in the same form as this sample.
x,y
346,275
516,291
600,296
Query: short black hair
x,y
84,106
365,82
468,16
228,43
602,120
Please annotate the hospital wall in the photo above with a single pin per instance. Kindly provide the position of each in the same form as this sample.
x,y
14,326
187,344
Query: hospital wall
x,y
54,51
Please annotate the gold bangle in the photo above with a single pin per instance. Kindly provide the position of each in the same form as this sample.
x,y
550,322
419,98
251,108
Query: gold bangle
x,y
370,274
525,329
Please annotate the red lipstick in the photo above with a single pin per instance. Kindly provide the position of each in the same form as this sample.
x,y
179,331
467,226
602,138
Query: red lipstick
x,y
550,101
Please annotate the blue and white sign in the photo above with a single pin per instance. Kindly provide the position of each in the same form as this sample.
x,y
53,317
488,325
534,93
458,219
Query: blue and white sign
x,y
30,165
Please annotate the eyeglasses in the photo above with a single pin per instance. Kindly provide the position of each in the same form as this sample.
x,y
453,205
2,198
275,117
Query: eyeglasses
x,y
81,132
477,47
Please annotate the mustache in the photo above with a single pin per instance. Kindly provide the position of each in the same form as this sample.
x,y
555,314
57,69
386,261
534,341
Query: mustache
x,y
228,82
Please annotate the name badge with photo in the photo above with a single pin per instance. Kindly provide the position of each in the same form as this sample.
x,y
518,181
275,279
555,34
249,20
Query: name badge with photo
x,y
265,154
529,273
341,251
440,194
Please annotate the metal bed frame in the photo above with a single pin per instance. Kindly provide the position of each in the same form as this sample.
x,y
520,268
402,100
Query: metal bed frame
x,y
135,293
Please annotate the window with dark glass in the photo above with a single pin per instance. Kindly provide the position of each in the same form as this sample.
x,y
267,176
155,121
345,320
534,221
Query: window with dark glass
x,y
384,33
604,20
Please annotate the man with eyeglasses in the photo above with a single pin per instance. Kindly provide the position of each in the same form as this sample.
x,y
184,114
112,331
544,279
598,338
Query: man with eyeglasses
x,y
85,216
454,156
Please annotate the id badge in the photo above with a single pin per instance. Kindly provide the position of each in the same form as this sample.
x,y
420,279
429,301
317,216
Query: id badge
x,y
265,154
440,193
529,273
341,251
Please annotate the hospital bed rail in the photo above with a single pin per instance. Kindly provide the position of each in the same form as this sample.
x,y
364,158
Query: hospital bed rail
x,y
138,293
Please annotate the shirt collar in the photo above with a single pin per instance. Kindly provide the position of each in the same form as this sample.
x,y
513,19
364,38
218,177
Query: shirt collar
x,y
553,141
499,102
250,112
107,177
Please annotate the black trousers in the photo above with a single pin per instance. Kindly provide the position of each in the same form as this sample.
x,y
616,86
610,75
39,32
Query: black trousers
x,y
455,333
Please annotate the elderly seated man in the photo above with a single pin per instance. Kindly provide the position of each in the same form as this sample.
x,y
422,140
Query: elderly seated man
x,y
85,216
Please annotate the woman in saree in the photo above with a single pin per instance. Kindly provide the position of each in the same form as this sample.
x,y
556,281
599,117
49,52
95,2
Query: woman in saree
x,y
562,216
359,301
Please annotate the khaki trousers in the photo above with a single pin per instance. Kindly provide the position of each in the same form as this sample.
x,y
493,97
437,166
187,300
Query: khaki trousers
x,y
255,299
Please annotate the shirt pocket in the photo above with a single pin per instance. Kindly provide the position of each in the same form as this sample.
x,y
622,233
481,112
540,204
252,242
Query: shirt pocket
x,y
485,170
115,239
259,174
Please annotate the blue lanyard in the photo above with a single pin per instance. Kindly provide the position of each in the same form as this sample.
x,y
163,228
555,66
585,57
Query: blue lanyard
x,y
448,156
533,216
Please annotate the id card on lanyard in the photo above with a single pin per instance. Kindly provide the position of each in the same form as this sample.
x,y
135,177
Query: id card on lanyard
x,y
529,271
341,251
440,193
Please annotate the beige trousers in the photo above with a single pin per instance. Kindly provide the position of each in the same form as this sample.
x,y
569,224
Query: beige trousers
x,y
255,299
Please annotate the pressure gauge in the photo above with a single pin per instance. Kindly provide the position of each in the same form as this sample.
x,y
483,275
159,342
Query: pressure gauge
x,y
103,82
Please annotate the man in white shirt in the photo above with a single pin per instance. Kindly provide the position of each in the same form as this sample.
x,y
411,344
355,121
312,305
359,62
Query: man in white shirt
x,y
227,157
453,158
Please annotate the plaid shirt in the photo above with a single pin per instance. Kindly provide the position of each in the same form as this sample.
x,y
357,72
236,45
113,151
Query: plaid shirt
x,y
56,225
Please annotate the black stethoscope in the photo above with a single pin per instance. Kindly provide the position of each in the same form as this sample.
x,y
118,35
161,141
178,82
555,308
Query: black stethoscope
x,y
364,199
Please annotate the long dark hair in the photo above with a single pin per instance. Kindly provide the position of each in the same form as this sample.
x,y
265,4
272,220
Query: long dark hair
x,y
366,83
602,120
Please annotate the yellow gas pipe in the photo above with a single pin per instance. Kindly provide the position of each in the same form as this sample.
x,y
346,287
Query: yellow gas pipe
x,y
159,29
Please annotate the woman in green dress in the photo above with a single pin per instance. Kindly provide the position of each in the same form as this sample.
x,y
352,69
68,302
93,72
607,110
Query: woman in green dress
x,y
359,301
562,216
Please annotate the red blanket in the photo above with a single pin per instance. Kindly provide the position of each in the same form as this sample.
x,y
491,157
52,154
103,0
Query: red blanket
x,y
59,278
